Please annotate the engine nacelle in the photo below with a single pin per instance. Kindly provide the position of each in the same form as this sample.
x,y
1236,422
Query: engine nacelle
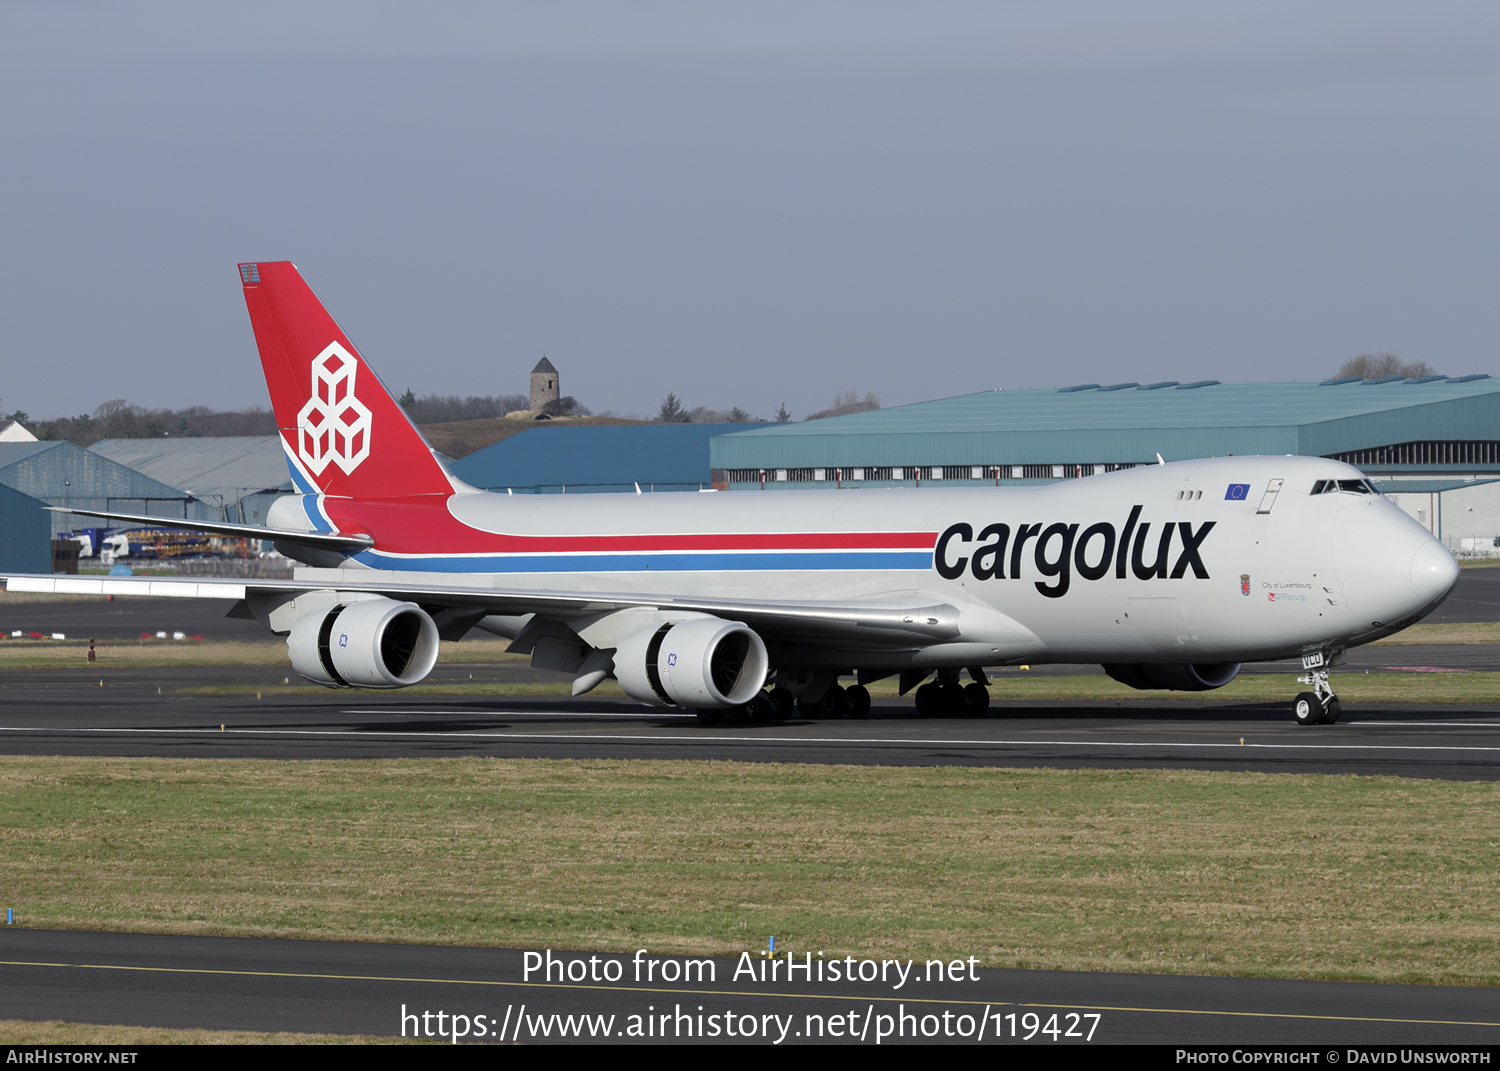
x,y
369,643
1188,678
698,662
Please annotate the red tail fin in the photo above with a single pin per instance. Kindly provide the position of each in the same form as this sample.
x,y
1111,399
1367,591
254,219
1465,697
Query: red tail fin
x,y
343,432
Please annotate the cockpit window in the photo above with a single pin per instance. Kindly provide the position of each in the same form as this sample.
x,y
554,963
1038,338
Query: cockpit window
x,y
1356,487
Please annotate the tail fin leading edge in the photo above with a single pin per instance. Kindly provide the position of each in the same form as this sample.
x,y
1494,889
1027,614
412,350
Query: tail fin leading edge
x,y
343,433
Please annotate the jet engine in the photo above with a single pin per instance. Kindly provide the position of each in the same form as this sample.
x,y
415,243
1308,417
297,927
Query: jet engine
x,y
368,643
1190,678
702,662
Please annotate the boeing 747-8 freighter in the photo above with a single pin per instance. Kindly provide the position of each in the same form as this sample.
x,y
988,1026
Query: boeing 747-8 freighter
x,y
741,605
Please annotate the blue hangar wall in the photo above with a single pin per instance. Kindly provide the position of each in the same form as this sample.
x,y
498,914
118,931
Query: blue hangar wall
x,y
564,460
25,533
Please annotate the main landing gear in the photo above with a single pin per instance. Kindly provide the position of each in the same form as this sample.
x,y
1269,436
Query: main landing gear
x,y
837,702
778,704
1319,706
945,697
774,705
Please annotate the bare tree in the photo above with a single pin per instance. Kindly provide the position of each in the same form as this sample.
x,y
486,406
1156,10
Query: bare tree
x,y
449,408
846,403
1381,365
567,405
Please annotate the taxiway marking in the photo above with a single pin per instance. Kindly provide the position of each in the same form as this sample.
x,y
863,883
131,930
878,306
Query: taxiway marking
x,y
741,993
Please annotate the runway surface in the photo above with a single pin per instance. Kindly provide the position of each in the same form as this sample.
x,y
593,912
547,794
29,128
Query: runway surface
x,y
67,711
127,718
342,988
1474,599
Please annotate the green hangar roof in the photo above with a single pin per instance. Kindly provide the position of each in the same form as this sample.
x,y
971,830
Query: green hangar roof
x,y
1430,424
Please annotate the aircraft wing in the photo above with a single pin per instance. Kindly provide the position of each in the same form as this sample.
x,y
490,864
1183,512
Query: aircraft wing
x,y
884,621
320,540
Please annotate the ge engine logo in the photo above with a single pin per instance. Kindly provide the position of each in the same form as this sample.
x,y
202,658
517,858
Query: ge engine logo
x,y
334,425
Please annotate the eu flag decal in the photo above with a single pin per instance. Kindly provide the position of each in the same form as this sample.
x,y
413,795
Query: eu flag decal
x,y
1237,492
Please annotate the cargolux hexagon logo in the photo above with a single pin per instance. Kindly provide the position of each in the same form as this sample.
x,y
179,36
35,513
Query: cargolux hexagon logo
x,y
334,425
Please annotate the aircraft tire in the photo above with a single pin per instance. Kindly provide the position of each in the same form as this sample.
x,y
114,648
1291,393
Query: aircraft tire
x,y
735,715
709,717
929,700
1332,711
952,699
1306,709
783,704
976,700
759,708
857,702
832,703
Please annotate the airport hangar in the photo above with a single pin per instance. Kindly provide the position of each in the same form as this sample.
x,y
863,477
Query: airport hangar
x,y
1431,443
558,459
236,476
201,478
59,473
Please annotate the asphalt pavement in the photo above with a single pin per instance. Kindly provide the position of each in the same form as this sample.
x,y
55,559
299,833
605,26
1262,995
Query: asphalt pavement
x,y
229,983
134,711
126,717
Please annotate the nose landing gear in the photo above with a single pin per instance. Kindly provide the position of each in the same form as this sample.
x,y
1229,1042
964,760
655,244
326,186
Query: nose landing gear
x,y
1319,706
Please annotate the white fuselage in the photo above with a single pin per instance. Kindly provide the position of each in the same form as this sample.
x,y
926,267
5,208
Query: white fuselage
x,y
1245,575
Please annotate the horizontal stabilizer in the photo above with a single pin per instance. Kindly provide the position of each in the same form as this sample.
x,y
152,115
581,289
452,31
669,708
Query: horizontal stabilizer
x,y
321,540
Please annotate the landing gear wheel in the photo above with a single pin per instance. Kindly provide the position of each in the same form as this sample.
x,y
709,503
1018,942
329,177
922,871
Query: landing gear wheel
x,y
952,698
783,705
709,717
976,700
759,708
857,702
929,700
1319,706
832,703
1307,709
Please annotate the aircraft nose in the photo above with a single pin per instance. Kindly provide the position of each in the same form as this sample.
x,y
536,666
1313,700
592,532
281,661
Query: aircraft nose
x,y
1434,571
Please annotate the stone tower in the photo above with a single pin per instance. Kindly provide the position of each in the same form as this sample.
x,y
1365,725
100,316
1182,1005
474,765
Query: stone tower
x,y
544,385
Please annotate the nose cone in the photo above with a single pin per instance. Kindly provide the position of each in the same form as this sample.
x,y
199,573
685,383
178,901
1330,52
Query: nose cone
x,y
1390,568
1434,571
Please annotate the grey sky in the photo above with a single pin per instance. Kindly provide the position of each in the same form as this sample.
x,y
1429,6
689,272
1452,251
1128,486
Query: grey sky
x,y
747,203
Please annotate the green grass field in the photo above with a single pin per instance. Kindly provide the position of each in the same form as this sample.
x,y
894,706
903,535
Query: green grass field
x,y
1381,879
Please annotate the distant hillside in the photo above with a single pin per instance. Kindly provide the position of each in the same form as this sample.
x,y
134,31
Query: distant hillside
x,y
460,438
